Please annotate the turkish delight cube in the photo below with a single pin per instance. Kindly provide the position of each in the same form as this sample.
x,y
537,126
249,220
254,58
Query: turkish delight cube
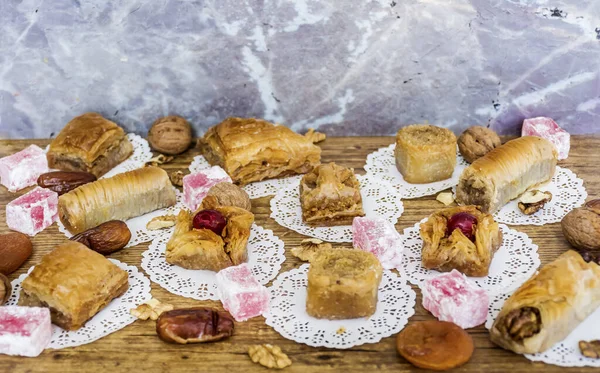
x,y
24,331
32,212
197,185
550,130
451,297
380,237
241,294
22,169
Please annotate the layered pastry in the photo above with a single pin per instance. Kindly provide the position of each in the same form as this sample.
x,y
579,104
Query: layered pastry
x,y
330,195
75,283
425,153
253,149
120,197
89,143
343,284
546,308
506,172
210,239
461,238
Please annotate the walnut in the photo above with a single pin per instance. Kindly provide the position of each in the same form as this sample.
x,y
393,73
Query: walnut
x,y
309,248
590,349
269,356
315,137
445,197
226,194
476,142
160,222
158,160
532,201
170,135
177,178
581,226
151,309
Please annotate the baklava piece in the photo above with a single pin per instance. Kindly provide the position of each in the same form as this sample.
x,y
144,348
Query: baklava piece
x,y
330,195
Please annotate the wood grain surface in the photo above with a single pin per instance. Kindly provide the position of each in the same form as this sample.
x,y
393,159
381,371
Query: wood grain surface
x,y
136,348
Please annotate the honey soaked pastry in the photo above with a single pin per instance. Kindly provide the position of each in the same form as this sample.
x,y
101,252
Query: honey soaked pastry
x,y
461,238
343,284
425,153
506,172
253,149
75,283
89,143
330,195
120,197
546,308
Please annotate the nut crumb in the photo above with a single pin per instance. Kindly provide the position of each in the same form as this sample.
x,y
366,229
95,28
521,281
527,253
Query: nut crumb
x,y
341,330
446,198
150,309
533,200
590,349
315,137
177,178
269,356
158,160
309,248
161,222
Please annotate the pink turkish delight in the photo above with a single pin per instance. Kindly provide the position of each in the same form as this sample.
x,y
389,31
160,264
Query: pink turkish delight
x,y
450,297
241,294
548,129
24,331
22,169
196,185
378,236
32,212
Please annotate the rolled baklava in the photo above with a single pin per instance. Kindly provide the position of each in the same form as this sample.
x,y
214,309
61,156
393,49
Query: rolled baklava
x,y
120,197
89,143
546,308
506,172
75,283
253,149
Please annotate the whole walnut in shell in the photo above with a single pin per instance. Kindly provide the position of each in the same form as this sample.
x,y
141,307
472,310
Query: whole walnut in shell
x,y
581,226
170,135
226,194
476,142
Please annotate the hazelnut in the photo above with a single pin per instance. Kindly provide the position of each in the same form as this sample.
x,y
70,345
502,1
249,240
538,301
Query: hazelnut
x,y
581,226
476,142
170,135
5,289
226,194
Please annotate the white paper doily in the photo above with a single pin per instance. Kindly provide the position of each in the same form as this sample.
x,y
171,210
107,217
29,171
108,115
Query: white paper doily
x,y
254,190
382,164
113,317
513,263
565,353
378,198
265,255
287,313
137,225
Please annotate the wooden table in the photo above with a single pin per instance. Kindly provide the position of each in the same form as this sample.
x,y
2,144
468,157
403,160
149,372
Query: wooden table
x,y
136,348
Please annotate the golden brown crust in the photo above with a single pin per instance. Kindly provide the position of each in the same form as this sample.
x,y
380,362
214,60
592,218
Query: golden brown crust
x,y
330,195
456,251
89,143
75,283
563,293
253,149
425,153
120,197
506,172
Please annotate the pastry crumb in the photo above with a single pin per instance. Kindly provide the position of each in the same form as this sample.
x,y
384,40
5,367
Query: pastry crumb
x,y
446,198
341,330
150,309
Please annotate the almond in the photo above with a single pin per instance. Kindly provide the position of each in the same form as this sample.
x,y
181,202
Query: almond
x,y
15,249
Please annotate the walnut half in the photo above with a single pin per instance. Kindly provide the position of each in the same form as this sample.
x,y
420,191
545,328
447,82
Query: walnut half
x,y
309,248
269,356
590,349
533,200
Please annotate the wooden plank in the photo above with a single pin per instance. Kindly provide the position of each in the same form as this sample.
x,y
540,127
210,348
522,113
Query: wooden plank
x,y
137,348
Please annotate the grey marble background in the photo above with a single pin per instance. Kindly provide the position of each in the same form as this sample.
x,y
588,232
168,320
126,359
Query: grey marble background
x,y
346,67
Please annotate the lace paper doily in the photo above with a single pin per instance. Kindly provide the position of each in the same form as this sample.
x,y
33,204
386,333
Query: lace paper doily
x,y
265,255
254,190
137,225
287,313
378,198
113,317
565,353
514,262
382,164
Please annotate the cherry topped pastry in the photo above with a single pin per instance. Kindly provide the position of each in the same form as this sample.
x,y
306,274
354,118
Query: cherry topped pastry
x,y
210,219
465,222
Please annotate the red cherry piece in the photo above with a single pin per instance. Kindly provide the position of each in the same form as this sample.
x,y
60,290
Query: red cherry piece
x,y
210,219
463,221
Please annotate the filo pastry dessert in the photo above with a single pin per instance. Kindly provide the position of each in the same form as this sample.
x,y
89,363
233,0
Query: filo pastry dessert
x,y
549,306
120,197
506,172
